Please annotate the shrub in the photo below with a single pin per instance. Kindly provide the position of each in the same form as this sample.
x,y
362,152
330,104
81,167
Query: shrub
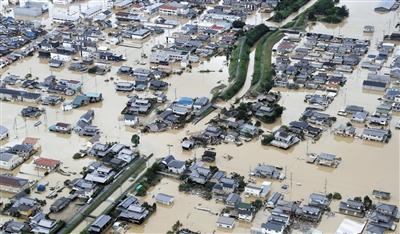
x,y
76,156
337,196
267,139
238,24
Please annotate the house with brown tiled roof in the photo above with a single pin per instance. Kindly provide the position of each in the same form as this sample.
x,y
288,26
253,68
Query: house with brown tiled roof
x,y
46,163
13,184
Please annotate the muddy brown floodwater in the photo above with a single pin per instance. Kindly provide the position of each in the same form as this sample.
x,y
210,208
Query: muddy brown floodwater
x,y
365,165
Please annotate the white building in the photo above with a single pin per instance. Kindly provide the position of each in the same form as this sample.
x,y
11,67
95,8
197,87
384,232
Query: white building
x,y
176,166
141,34
91,11
131,120
10,161
4,133
258,191
62,2
164,199
62,16
226,222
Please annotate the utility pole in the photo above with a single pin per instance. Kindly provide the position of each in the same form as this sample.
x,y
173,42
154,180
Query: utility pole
x,y
15,127
26,129
291,185
325,186
175,93
45,117
285,171
307,149
169,149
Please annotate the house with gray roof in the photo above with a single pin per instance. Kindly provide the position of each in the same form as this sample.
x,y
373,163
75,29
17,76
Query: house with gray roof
x,y
24,207
226,222
309,213
319,200
277,223
13,226
383,218
9,161
232,200
83,188
41,224
176,166
60,204
375,134
4,133
325,159
284,139
267,171
132,211
100,224
199,174
164,199
352,207
359,117
225,186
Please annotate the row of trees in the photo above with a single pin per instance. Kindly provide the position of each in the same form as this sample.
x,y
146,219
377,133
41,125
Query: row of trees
x,y
326,11
286,8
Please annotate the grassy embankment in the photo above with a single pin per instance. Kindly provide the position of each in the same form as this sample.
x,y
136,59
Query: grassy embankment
x,y
262,76
240,61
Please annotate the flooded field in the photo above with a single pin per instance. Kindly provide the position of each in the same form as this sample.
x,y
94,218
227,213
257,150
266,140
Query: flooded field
x,y
365,165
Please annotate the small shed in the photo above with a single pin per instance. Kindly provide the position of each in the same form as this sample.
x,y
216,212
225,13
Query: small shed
x,y
164,199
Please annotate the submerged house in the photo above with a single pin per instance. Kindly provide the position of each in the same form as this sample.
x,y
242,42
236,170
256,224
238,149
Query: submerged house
x,y
199,174
284,139
86,99
267,171
13,184
383,218
100,224
375,134
131,210
309,213
352,207
329,160
164,199
41,224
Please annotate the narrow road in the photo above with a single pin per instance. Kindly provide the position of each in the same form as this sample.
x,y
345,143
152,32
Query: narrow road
x,y
249,76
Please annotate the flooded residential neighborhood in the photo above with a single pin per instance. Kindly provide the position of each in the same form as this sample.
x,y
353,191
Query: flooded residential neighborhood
x,y
122,116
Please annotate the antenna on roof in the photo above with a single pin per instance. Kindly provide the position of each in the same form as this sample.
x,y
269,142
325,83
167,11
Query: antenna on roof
x,y
15,127
95,81
45,118
291,185
26,129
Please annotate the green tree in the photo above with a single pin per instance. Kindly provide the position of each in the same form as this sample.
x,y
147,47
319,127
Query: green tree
x,y
257,204
176,226
238,24
135,140
343,11
27,190
311,16
337,196
267,139
367,203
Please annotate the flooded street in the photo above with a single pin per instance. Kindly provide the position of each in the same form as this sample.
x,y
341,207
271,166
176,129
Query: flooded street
x,y
365,165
